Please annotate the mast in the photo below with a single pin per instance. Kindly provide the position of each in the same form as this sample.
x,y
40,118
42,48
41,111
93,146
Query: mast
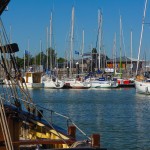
x,y
99,37
141,36
82,48
91,58
24,62
47,47
114,53
51,41
40,51
131,52
120,47
28,51
35,61
10,36
71,46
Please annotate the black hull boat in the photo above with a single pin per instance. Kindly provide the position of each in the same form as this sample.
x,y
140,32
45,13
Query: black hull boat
x,y
23,124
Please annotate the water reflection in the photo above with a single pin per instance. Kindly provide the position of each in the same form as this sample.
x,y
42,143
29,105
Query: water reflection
x,y
121,116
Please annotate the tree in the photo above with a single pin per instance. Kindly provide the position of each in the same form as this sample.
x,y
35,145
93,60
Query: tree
x,y
61,60
20,62
40,59
94,59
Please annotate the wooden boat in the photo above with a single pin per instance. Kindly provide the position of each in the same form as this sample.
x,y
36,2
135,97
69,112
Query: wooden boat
x,y
23,125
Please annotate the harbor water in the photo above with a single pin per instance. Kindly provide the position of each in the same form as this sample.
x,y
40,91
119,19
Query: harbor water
x,y
120,116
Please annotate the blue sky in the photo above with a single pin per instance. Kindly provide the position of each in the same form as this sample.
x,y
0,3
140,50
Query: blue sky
x,y
30,18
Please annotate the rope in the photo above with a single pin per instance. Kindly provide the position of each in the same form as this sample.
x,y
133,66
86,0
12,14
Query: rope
x,y
5,129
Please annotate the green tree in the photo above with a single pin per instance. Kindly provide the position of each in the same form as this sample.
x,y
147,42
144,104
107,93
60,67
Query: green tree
x,y
94,59
20,62
61,60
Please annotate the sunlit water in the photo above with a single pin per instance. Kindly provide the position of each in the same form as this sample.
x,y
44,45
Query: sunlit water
x,y
120,116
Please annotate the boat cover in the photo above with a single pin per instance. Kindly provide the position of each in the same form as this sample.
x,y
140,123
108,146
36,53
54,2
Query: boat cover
x,y
9,48
3,4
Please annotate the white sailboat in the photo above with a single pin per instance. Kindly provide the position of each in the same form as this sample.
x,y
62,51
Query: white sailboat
x,y
52,82
101,82
142,84
49,80
73,82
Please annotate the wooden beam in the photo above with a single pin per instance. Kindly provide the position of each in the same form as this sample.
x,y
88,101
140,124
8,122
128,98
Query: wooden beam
x,y
43,141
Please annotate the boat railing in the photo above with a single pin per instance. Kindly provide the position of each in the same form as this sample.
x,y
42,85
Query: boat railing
x,y
40,113
68,119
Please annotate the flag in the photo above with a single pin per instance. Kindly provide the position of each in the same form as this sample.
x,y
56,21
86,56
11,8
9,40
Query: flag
x,y
76,52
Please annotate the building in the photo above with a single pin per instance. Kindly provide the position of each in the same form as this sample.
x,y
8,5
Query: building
x,y
125,62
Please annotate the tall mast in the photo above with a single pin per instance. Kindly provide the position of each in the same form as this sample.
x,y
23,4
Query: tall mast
x,y
99,37
131,52
28,51
114,53
10,36
47,46
141,36
24,61
82,48
91,58
120,47
35,61
40,51
71,46
51,41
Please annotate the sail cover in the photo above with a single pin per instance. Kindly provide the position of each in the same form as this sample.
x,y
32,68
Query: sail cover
x,y
3,4
9,48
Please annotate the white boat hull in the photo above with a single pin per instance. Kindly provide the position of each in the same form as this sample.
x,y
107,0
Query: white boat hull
x,y
142,87
103,84
49,82
53,85
75,84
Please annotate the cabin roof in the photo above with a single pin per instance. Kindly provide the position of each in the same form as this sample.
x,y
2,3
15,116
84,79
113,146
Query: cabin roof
x,y
123,59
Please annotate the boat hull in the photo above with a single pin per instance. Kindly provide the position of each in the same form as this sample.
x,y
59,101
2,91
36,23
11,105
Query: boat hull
x,y
53,85
75,84
142,87
103,84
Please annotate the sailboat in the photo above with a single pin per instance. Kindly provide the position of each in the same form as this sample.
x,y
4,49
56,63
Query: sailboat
x,y
142,82
23,124
74,82
122,81
102,82
49,80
